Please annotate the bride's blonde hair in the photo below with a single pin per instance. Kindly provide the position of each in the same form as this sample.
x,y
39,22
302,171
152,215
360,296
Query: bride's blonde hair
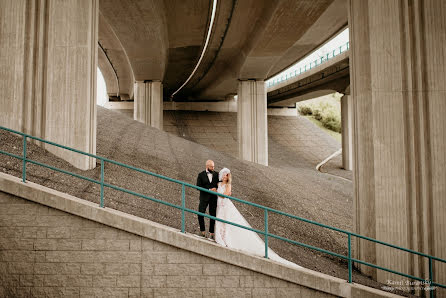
x,y
229,178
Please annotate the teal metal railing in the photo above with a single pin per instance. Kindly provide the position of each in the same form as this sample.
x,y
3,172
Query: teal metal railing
x,y
183,209
330,55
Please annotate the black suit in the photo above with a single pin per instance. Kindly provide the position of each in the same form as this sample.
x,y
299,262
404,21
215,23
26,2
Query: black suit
x,y
207,199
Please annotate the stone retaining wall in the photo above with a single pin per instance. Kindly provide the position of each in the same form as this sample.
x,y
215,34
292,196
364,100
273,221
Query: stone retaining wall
x,y
47,252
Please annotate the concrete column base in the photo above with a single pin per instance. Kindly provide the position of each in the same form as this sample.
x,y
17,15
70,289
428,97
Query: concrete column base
x,y
347,130
252,121
148,104
48,73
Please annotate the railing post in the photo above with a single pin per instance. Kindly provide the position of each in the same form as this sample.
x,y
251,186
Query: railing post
x,y
266,232
24,160
349,258
431,277
102,184
183,205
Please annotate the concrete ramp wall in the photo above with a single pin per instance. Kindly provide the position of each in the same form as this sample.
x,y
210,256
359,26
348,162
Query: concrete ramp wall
x,y
56,245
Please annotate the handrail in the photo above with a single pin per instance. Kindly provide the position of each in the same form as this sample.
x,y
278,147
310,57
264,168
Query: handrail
x,y
183,209
336,51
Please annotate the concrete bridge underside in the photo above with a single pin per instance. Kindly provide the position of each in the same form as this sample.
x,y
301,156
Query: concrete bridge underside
x,y
49,56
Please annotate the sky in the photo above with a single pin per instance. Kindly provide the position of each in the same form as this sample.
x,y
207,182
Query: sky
x,y
101,95
340,40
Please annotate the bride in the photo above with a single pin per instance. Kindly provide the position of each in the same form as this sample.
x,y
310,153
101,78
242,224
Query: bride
x,y
232,236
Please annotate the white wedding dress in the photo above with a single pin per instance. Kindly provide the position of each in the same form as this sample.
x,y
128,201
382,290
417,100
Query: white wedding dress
x,y
239,238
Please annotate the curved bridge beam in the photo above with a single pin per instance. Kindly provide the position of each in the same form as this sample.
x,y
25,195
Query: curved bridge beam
x,y
187,23
265,37
113,62
141,28
331,21
108,72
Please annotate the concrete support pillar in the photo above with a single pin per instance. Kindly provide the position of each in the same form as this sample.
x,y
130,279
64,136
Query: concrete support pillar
x,y
347,130
397,74
149,103
252,121
48,62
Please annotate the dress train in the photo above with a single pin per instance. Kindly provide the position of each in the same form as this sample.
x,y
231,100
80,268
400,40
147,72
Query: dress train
x,y
239,238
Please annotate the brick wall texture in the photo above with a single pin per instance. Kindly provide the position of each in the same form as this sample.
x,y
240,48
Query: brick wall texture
x,y
45,252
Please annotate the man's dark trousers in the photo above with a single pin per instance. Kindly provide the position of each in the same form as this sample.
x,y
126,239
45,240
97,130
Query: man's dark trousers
x,y
207,199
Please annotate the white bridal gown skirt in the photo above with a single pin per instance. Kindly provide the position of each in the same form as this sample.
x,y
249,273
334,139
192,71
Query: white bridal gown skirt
x,y
239,238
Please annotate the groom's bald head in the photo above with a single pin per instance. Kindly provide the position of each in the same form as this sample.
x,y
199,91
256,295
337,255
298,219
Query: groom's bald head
x,y
209,165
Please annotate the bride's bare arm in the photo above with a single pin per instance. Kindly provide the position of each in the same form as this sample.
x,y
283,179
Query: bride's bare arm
x,y
228,190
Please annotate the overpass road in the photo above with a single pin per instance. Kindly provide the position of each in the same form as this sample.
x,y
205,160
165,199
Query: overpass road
x,y
326,78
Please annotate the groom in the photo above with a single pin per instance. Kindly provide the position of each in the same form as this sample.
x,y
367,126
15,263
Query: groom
x,y
207,179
